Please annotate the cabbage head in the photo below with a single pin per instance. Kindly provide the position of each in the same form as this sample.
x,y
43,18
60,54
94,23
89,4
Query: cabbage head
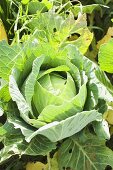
x,y
58,95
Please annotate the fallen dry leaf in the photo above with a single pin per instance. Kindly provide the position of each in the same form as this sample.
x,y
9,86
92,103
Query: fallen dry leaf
x,y
35,166
106,38
3,35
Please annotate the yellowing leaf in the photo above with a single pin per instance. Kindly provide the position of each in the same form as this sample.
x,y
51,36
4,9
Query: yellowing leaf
x,y
24,2
3,35
47,3
106,38
35,166
111,130
53,163
109,115
84,41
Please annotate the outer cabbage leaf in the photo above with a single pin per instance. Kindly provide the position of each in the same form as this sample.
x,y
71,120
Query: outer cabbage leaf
x,y
102,129
9,56
14,143
56,30
104,80
4,92
105,56
56,131
88,8
96,88
84,151
19,99
35,6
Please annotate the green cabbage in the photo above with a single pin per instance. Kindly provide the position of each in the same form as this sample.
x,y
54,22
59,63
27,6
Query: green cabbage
x,y
51,90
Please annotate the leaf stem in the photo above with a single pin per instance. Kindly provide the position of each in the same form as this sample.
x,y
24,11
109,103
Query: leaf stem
x,y
49,162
